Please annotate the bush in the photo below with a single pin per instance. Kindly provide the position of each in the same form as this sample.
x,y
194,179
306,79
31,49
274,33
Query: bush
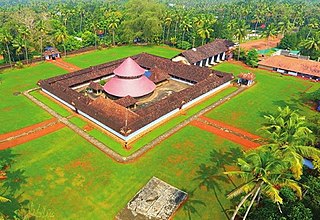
x,y
251,59
183,45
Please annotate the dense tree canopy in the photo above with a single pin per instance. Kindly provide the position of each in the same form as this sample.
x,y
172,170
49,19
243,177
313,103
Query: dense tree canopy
x,y
28,26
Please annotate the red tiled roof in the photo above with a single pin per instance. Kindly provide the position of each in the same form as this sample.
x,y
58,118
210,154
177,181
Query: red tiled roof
x,y
95,86
51,51
247,76
126,101
158,75
293,64
112,110
208,50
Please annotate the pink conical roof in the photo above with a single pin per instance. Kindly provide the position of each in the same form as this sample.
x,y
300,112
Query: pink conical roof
x,y
136,87
129,68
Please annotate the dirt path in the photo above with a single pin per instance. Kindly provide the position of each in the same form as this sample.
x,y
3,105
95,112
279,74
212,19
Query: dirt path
x,y
25,129
30,133
246,139
261,44
64,65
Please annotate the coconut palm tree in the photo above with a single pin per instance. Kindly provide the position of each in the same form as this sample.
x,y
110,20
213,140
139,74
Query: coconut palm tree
x,y
113,23
186,26
264,173
311,43
270,32
6,39
24,32
41,28
240,32
290,138
61,37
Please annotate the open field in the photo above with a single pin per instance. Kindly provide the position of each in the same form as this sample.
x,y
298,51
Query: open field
x,y
270,91
106,55
15,109
75,180
66,174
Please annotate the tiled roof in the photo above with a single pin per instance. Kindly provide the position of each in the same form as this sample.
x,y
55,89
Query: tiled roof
x,y
247,76
50,51
95,86
293,64
158,75
208,50
126,101
113,110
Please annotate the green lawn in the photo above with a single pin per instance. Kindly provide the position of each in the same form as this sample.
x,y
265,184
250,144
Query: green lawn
x,y
17,111
75,180
270,91
51,104
106,55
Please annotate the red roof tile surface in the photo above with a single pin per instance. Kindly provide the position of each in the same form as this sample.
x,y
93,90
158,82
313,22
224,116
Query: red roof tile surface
x,y
293,64
208,50
247,76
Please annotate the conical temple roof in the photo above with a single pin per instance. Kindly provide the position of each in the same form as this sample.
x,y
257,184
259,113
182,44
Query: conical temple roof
x,y
129,68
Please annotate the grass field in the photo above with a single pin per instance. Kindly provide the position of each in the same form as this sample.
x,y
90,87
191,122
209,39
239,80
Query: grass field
x,y
50,103
68,175
75,180
16,110
270,91
106,55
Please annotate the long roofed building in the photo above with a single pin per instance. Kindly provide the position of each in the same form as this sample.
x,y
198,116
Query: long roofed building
x,y
208,54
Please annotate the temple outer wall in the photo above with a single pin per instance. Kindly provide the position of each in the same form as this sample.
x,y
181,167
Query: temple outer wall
x,y
147,127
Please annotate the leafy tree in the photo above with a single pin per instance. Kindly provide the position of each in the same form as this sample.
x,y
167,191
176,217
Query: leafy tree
x,y
252,58
292,208
143,20
61,37
289,137
263,173
240,33
6,38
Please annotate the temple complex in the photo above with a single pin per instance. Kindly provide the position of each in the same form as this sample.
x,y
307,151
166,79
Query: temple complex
x,y
128,97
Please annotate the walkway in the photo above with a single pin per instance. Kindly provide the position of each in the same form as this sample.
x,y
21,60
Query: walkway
x,y
64,65
29,133
246,139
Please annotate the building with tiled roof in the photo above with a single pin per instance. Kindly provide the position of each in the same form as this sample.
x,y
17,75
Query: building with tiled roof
x,y
51,53
208,54
116,116
292,66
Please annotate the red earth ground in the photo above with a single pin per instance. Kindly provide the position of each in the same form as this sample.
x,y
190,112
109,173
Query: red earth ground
x,y
64,65
261,44
31,136
247,144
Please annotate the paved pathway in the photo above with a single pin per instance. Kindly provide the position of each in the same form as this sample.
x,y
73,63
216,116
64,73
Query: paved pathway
x,y
142,150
